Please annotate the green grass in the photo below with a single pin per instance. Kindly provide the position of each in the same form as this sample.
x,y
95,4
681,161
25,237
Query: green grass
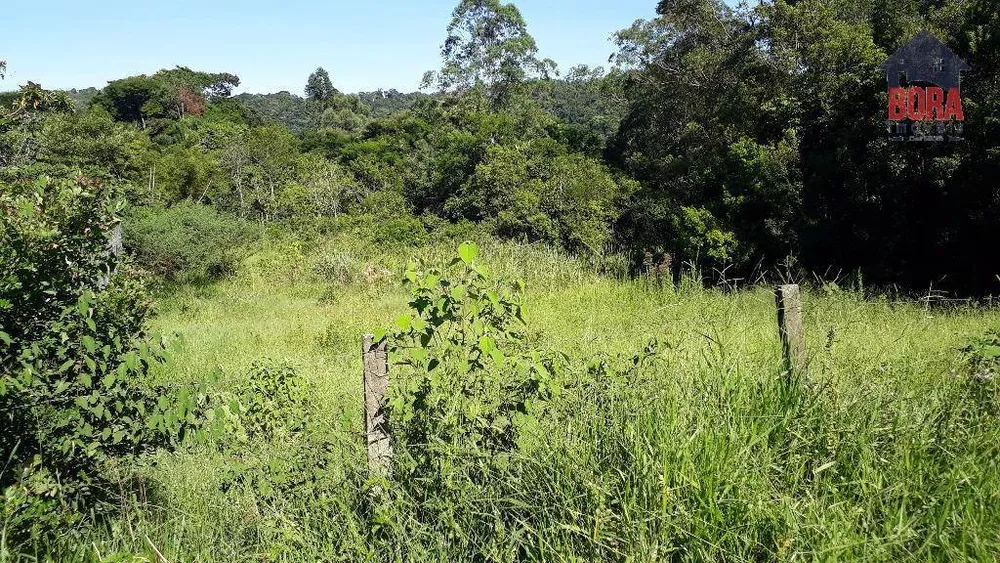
x,y
885,452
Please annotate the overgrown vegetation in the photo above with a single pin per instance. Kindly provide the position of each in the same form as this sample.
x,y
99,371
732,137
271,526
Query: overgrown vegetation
x,y
187,242
76,395
717,138
569,434
598,379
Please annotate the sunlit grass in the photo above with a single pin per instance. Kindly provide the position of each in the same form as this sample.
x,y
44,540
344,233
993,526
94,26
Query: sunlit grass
x,y
874,456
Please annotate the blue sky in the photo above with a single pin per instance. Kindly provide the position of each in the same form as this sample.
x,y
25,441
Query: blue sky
x,y
273,46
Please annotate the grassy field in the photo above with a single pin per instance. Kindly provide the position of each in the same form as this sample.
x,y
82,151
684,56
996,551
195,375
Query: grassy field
x,y
885,451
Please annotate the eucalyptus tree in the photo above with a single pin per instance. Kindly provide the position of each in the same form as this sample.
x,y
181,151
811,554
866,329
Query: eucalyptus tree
x,y
319,87
488,46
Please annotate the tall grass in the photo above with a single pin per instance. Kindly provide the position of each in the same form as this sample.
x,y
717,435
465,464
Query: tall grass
x,y
884,450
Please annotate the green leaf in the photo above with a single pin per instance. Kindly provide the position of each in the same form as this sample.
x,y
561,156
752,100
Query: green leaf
x,y
487,344
497,356
468,252
82,305
403,322
6,338
89,343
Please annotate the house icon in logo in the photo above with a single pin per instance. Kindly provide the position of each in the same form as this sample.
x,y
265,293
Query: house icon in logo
x,y
925,98
924,61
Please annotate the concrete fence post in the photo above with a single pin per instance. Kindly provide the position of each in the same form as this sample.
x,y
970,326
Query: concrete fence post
x,y
376,386
793,340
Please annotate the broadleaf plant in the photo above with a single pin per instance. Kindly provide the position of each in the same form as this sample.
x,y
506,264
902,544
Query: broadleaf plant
x,y
76,364
465,385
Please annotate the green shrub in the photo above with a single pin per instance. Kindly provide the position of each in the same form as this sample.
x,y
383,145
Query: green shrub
x,y
982,353
76,394
465,389
442,230
273,399
188,242
399,229
405,230
538,193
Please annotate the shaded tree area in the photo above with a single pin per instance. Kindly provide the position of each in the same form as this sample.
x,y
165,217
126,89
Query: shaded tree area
x,y
759,132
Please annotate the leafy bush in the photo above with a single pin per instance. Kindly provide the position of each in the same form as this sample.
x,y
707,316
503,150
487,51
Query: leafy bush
x,y
75,386
982,353
400,231
188,242
538,192
466,388
324,189
273,399
385,219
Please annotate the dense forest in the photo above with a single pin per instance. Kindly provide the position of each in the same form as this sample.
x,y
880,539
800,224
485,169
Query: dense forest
x,y
734,138
722,144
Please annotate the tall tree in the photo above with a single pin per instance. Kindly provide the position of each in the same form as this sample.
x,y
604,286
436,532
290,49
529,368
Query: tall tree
x,y
319,87
168,94
706,133
766,123
488,45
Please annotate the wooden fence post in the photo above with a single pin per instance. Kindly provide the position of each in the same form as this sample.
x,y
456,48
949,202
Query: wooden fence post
x,y
793,340
376,384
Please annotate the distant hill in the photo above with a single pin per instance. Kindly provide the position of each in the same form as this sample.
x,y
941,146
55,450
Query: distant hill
x,y
576,102
81,98
295,112
299,114
387,102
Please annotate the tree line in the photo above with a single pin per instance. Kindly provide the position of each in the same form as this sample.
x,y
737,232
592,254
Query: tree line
x,y
731,138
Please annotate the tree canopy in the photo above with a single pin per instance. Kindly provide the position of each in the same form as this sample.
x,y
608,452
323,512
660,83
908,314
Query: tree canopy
x,y
734,137
488,46
319,87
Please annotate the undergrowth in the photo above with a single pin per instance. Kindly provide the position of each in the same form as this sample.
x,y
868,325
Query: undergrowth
x,y
567,417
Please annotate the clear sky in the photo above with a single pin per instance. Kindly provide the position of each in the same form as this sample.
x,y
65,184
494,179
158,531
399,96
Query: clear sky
x,y
273,46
